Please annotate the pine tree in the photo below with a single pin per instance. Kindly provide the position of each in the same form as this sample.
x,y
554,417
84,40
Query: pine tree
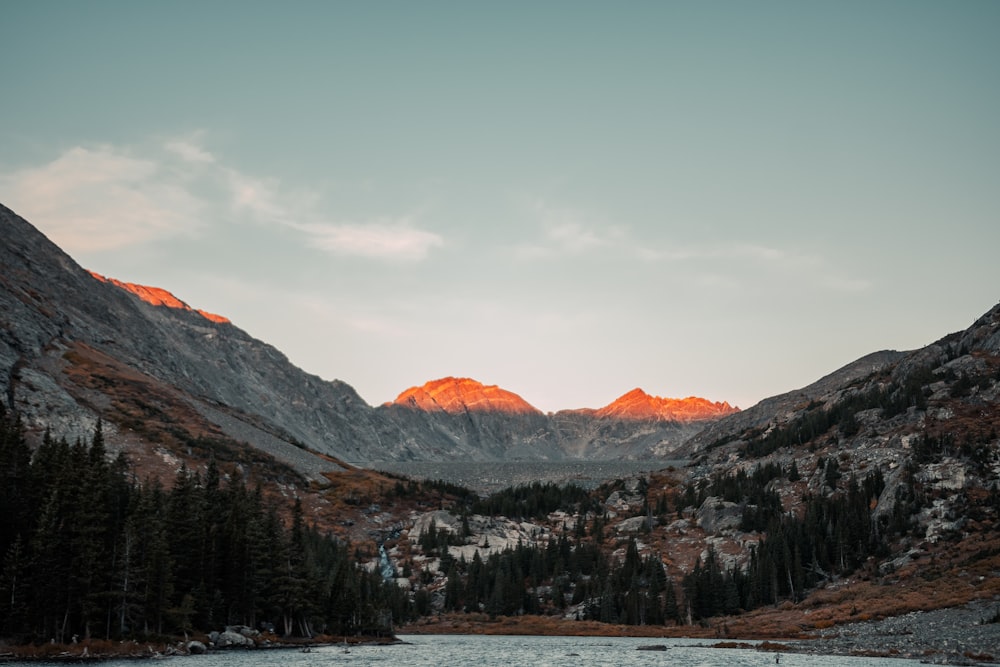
x,y
154,585
15,483
671,610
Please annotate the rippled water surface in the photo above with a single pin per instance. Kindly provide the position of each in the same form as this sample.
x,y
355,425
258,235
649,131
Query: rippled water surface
x,y
502,651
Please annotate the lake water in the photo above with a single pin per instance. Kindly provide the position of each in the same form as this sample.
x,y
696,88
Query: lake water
x,y
505,651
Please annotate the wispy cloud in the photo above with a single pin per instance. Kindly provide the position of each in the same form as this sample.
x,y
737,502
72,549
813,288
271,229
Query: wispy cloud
x,y
106,197
382,240
566,233
102,198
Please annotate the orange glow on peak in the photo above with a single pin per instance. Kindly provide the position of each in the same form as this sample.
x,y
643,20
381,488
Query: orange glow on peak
x,y
156,296
638,405
458,395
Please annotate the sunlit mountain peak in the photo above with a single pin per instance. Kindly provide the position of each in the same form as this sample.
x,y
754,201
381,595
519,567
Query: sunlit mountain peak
x,y
637,404
159,297
457,395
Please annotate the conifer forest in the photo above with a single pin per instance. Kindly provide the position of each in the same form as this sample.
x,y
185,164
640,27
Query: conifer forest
x,y
90,551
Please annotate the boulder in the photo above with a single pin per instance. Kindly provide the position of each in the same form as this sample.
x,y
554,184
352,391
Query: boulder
x,y
634,524
716,514
196,647
230,639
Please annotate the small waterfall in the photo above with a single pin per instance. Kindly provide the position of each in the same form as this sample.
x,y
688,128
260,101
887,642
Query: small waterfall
x,y
384,566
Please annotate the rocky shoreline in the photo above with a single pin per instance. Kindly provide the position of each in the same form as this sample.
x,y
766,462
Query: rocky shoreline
x,y
953,636
100,651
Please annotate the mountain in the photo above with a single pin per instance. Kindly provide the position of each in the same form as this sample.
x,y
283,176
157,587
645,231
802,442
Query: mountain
x,y
482,422
76,346
637,405
462,419
459,395
926,420
844,509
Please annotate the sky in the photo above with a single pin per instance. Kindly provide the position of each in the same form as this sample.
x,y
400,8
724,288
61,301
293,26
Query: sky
x,y
569,200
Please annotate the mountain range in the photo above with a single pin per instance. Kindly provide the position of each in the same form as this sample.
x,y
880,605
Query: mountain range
x,y
77,346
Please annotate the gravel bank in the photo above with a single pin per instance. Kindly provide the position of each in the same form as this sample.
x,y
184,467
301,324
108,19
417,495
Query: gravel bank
x,y
954,636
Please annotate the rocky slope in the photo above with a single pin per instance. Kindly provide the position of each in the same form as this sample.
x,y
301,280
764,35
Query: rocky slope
x,y
74,347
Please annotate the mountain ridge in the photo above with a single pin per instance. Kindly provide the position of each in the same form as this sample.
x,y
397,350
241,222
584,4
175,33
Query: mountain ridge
x,y
456,395
76,347
639,405
157,296
459,394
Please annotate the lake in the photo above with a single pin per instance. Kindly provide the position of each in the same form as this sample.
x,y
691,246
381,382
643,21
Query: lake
x,y
509,651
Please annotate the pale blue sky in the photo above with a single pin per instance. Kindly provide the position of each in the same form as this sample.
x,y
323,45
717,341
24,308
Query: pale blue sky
x,y
566,199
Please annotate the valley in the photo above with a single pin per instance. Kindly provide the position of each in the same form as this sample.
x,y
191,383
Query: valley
x,y
488,477
209,483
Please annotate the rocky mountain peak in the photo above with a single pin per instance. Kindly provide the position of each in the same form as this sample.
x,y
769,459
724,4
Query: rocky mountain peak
x,y
638,405
157,296
458,395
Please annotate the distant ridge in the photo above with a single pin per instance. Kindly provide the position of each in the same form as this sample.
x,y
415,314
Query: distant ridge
x,y
458,395
638,405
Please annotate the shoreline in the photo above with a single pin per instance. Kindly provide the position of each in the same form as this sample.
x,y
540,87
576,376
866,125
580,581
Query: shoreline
x,y
104,650
949,636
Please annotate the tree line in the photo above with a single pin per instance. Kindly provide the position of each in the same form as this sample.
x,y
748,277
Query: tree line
x,y
90,552
832,536
540,579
